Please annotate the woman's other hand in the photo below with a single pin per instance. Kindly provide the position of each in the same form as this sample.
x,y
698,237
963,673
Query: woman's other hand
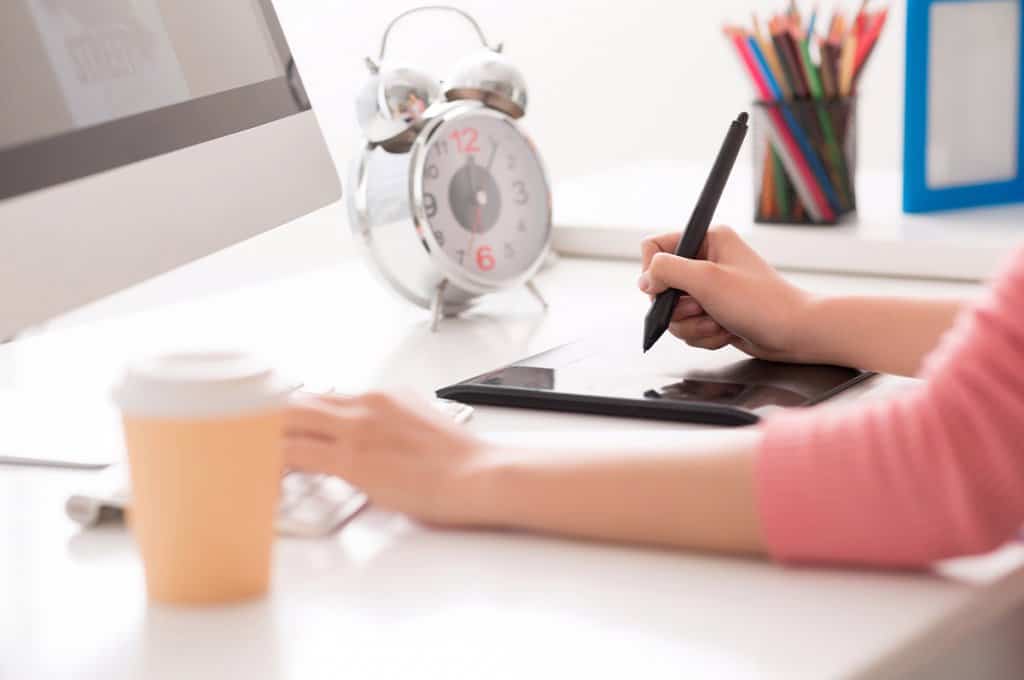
x,y
403,453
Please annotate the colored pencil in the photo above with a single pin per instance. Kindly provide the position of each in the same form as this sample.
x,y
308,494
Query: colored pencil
x,y
788,58
794,13
781,183
861,18
867,45
827,82
838,27
773,60
762,67
813,82
846,64
789,42
767,185
830,61
786,65
810,25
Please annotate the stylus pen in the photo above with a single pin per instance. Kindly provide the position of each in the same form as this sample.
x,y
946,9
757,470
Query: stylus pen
x,y
660,314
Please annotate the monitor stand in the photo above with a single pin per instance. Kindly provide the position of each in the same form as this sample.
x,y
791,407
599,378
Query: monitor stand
x,y
16,461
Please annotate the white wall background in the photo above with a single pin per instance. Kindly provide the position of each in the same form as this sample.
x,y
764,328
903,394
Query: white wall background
x,y
611,81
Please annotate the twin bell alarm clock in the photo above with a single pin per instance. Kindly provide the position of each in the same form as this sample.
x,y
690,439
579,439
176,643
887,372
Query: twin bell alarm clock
x,y
448,195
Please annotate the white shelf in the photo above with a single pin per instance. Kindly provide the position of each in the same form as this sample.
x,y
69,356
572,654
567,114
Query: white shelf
x,y
606,214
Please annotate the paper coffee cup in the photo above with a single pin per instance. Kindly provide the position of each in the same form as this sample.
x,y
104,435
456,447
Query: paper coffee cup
x,y
203,434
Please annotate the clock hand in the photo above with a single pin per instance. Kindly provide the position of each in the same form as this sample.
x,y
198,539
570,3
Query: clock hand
x,y
475,200
494,152
470,165
476,226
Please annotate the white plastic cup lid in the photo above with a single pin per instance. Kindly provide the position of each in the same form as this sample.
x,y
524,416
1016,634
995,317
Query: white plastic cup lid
x,y
201,385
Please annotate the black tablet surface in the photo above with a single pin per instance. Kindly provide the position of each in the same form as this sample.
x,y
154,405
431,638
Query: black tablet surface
x,y
672,382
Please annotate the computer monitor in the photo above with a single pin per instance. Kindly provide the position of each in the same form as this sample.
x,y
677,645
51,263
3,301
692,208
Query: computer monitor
x,y
138,135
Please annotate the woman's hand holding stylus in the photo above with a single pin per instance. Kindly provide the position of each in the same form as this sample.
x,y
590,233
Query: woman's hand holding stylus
x,y
733,296
736,298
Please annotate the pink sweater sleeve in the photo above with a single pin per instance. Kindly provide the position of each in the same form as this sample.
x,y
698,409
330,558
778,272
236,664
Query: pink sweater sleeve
x,y
934,473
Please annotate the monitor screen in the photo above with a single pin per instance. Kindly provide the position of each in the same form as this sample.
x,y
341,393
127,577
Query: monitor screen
x,y
96,83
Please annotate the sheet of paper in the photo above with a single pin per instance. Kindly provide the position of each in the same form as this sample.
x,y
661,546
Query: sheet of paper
x,y
973,91
112,58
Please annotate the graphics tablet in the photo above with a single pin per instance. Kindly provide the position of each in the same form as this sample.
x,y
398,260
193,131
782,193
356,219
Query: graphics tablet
x,y
671,382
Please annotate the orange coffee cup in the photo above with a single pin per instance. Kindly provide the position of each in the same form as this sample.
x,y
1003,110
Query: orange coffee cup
x,y
203,434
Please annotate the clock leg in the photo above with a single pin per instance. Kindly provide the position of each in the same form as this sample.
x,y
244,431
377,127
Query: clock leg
x,y
550,261
535,291
437,306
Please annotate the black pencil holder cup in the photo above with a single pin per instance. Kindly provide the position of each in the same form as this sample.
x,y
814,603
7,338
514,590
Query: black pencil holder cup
x,y
805,157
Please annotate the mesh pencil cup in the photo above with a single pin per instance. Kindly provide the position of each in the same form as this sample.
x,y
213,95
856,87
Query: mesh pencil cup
x,y
805,158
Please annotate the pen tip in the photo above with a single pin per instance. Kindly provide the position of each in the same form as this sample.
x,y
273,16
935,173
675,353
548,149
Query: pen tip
x,y
742,118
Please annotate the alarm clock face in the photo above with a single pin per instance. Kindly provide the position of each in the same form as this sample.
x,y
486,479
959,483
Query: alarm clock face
x,y
482,193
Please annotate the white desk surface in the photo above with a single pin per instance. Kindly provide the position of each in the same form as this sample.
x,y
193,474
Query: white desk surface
x,y
607,213
388,598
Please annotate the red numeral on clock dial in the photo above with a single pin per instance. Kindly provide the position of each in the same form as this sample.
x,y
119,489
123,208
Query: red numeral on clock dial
x,y
485,258
466,139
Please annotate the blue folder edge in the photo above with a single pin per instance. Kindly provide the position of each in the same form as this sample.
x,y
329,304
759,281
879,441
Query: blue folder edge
x,y
917,197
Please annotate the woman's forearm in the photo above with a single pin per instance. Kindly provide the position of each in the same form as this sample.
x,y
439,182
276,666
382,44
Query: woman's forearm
x,y
890,335
698,495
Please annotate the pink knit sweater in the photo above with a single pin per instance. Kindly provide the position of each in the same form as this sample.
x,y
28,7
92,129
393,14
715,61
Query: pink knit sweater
x,y
934,473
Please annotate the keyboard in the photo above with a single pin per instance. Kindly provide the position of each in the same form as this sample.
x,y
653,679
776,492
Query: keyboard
x,y
311,505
